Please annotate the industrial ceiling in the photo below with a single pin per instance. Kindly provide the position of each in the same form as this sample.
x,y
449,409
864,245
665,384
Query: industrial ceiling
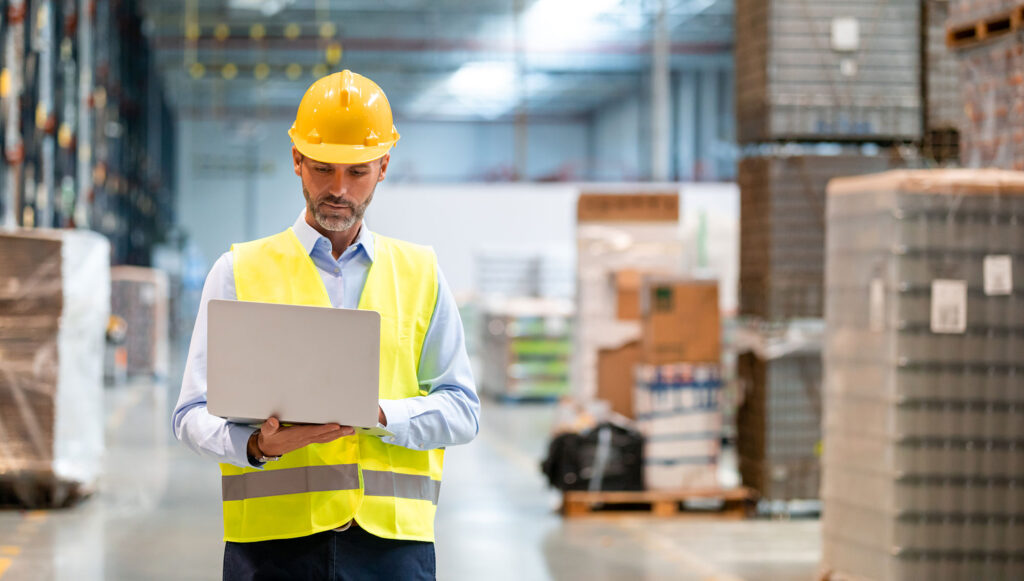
x,y
449,60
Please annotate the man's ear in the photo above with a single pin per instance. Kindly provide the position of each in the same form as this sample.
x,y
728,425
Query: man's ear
x,y
297,161
384,161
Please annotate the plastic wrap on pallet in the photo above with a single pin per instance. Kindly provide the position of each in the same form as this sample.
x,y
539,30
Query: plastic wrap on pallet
x,y
924,422
992,131
54,305
777,340
140,296
678,409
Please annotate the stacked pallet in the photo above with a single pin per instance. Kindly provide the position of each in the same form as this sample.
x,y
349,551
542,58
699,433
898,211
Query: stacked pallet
x,y
140,296
989,38
813,73
778,425
54,304
782,227
924,422
818,71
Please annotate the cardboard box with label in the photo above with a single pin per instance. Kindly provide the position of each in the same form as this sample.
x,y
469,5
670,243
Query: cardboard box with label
x,y
681,321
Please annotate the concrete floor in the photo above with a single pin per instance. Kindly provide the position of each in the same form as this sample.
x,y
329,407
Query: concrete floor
x,y
158,517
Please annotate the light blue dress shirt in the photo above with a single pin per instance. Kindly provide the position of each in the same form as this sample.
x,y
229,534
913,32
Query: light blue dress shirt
x,y
446,416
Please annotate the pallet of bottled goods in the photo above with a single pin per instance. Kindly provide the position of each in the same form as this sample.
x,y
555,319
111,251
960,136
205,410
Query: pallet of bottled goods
x,y
924,406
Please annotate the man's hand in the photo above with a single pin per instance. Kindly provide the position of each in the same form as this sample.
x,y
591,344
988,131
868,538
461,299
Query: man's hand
x,y
273,439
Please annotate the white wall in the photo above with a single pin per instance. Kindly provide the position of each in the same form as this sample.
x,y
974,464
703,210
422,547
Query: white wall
x,y
461,221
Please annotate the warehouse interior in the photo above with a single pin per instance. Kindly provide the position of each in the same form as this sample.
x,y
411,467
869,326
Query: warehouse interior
x,y
739,280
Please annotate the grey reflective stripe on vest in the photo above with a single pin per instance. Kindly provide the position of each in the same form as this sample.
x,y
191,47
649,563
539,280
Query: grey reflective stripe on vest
x,y
327,478
290,481
380,483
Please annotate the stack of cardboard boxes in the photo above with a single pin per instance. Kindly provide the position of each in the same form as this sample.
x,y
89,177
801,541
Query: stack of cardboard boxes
x,y
54,305
648,338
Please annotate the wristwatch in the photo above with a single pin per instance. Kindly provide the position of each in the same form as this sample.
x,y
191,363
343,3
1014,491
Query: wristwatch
x,y
262,458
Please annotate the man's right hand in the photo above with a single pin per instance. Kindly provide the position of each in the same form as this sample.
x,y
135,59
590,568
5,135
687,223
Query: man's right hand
x,y
273,439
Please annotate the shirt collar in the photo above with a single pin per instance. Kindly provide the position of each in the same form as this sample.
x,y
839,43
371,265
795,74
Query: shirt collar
x,y
309,237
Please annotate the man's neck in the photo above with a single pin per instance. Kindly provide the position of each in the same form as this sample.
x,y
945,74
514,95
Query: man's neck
x,y
340,240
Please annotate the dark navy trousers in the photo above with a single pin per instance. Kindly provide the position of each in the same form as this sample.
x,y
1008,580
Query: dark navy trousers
x,y
350,555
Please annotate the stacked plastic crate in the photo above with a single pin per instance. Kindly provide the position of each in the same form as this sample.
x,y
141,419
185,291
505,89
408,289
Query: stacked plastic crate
x,y
924,423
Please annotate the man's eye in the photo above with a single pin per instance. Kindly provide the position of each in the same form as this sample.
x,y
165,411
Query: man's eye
x,y
359,172
322,169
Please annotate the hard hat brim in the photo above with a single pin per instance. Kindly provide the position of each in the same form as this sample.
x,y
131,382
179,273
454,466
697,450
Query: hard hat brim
x,y
335,153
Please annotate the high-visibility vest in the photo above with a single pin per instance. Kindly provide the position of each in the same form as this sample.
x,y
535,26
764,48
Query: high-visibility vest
x,y
389,490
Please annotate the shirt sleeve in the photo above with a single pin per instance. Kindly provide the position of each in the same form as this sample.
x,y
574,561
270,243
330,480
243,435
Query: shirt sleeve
x,y
206,434
450,412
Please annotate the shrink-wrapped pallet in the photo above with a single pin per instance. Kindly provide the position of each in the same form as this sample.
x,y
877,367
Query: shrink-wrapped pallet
x,y
54,305
924,359
140,296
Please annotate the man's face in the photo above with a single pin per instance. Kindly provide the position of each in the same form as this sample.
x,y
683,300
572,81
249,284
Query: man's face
x,y
337,194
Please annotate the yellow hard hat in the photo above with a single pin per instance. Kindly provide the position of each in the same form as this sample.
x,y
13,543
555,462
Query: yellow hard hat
x,y
344,118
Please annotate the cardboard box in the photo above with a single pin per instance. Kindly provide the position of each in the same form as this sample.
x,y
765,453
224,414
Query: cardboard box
x,y
627,291
681,321
656,207
615,376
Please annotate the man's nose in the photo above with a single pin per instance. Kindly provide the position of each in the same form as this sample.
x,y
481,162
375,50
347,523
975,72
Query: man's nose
x,y
338,183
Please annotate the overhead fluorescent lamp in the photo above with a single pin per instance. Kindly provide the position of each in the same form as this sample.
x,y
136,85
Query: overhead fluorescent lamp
x,y
484,78
266,7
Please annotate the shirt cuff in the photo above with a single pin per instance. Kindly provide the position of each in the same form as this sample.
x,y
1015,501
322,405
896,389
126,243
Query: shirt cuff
x,y
397,415
238,440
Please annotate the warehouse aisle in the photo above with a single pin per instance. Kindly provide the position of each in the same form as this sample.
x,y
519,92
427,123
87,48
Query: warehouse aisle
x,y
158,517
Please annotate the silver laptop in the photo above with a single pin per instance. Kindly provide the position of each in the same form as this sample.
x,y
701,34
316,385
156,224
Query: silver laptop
x,y
312,365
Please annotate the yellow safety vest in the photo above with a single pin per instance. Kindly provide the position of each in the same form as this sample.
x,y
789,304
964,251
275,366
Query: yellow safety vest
x,y
389,490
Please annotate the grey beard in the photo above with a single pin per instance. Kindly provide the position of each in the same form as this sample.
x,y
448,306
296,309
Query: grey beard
x,y
337,223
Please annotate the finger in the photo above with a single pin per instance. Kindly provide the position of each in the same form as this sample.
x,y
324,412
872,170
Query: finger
x,y
312,431
347,430
329,437
271,426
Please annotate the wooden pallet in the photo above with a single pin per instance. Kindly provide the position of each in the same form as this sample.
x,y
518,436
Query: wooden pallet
x,y
737,503
967,34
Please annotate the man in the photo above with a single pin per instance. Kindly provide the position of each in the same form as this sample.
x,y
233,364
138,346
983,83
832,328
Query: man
x,y
319,501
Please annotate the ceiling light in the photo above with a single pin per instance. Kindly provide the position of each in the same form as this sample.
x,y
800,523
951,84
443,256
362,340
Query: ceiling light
x,y
483,78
